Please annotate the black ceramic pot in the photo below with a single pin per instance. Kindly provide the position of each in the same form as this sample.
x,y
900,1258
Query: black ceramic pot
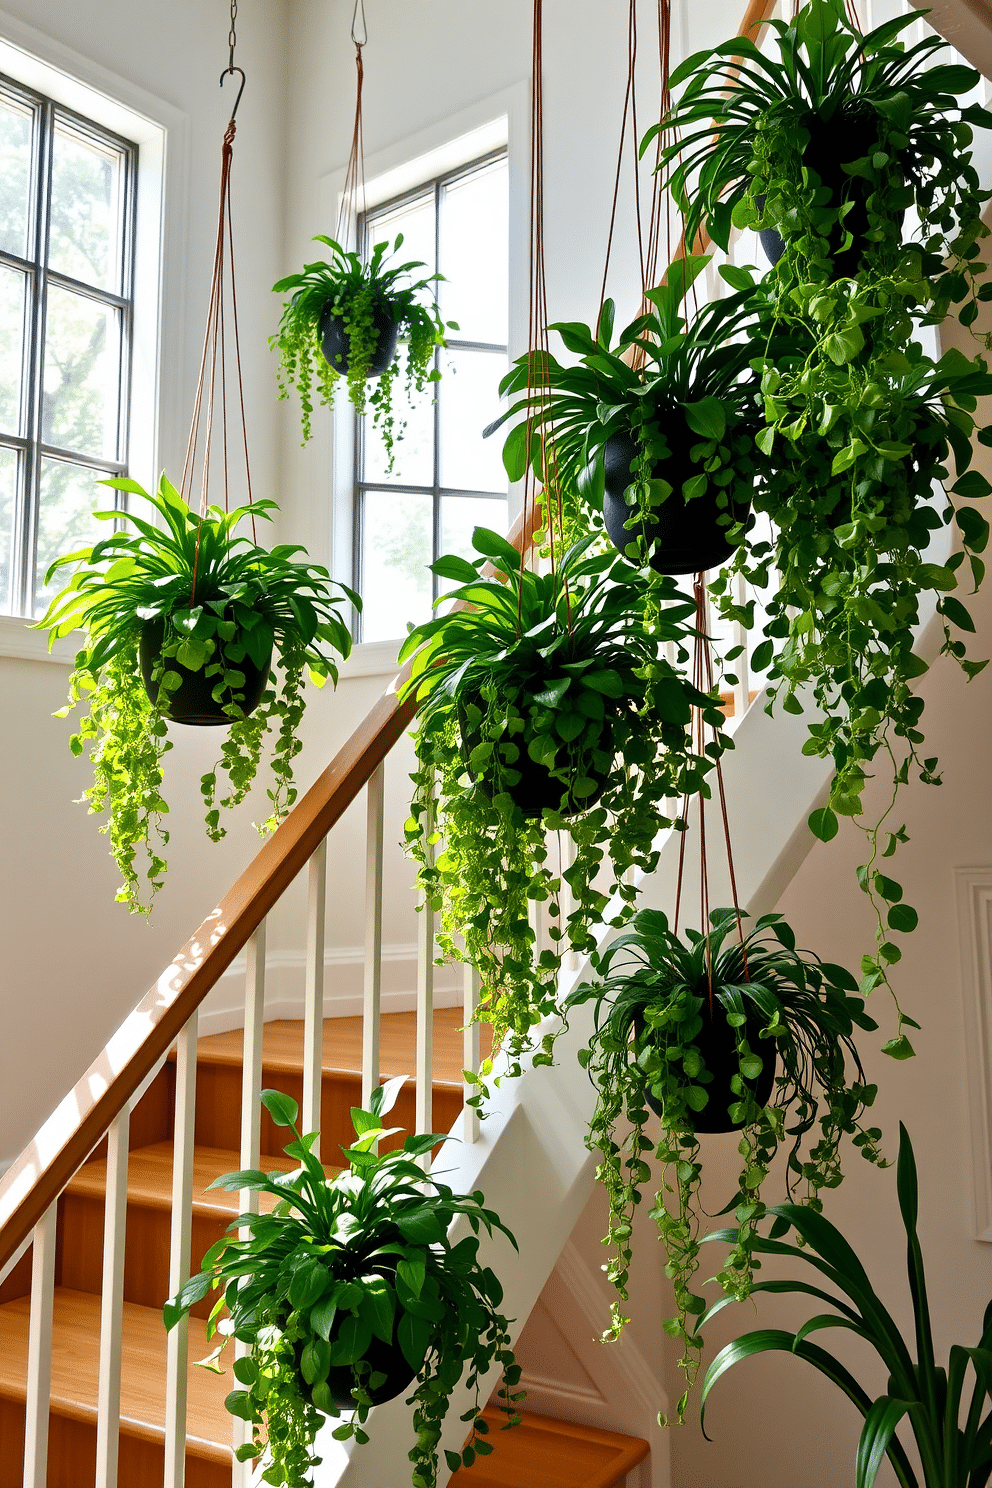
x,y
335,346
688,536
382,1358
717,1043
537,789
848,136
193,701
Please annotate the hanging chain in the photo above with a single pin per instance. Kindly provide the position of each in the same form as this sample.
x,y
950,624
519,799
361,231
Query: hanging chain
x,y
232,35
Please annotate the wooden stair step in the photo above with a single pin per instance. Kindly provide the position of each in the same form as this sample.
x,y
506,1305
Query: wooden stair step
x,y
75,1374
546,1453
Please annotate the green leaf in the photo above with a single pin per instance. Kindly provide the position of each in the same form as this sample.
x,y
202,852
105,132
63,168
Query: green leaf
x,y
282,1108
898,1048
823,824
878,1431
974,528
903,917
707,417
309,1284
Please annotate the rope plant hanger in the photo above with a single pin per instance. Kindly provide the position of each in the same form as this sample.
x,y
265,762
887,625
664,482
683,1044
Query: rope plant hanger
x,y
353,194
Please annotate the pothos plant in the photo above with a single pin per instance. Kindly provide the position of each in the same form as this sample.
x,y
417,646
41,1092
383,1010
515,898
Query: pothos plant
x,y
371,305
347,1292
675,428
545,707
192,599
829,139
860,444
716,1032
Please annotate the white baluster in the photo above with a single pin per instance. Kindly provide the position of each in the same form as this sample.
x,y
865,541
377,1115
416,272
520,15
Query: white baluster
x,y
373,936
425,1002
39,1381
177,1365
313,1014
470,1050
251,1122
108,1421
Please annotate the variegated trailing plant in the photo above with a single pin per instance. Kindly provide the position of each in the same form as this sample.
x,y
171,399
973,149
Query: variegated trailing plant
x,y
212,604
546,707
714,1033
349,1292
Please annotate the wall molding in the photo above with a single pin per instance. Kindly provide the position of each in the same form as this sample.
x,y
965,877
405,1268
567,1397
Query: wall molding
x,y
974,898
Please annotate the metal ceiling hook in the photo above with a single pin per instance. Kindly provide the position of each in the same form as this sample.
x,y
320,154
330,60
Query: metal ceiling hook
x,y
226,73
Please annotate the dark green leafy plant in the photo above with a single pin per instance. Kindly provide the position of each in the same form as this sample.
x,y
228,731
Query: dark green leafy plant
x,y
920,1392
830,140
679,1020
364,298
216,602
346,1273
690,404
545,707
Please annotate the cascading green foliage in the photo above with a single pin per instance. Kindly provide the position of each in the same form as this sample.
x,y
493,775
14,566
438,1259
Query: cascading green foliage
x,y
651,1033
357,294
346,1274
216,602
694,396
830,139
550,689
928,1397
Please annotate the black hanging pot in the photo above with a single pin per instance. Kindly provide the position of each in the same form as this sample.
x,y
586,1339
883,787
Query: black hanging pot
x,y
381,1357
687,536
849,135
717,1043
193,701
537,789
336,345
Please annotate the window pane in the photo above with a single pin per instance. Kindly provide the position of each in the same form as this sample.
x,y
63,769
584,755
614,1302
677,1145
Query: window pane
x,y
474,255
8,496
15,175
415,220
82,374
414,451
460,515
87,186
469,400
396,584
69,496
12,286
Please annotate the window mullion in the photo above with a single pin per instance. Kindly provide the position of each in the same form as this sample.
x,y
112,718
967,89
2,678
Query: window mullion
x,y
31,484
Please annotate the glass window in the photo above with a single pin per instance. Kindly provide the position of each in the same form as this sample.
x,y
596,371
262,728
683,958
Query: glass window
x,y
446,479
66,250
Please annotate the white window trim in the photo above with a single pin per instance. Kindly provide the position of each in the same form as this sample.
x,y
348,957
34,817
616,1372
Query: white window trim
x,y
161,133
501,120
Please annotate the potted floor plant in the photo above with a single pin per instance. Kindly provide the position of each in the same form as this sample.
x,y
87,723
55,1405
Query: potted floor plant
x,y
544,707
180,624
826,142
345,319
349,1292
951,1424
664,449
717,1032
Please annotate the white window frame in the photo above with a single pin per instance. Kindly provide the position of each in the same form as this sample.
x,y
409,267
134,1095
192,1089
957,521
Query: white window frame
x,y
161,133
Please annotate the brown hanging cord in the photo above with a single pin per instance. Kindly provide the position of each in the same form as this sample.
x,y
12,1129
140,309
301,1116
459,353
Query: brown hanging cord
x,y
215,343
353,203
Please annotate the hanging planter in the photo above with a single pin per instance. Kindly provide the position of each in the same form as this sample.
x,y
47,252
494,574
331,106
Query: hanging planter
x,y
344,320
180,624
544,705
694,1029
663,451
351,1292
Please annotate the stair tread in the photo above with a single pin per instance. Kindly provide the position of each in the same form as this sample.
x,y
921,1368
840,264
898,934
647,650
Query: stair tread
x,y
75,1370
556,1454
149,1178
282,1045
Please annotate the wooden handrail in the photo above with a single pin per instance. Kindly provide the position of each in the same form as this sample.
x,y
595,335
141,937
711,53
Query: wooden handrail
x,y
36,1179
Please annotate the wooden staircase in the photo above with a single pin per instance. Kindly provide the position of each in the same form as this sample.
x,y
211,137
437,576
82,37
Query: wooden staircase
x,y
79,1261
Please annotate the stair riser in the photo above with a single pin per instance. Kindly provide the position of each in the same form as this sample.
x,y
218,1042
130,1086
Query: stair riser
x,y
146,1252
72,1455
